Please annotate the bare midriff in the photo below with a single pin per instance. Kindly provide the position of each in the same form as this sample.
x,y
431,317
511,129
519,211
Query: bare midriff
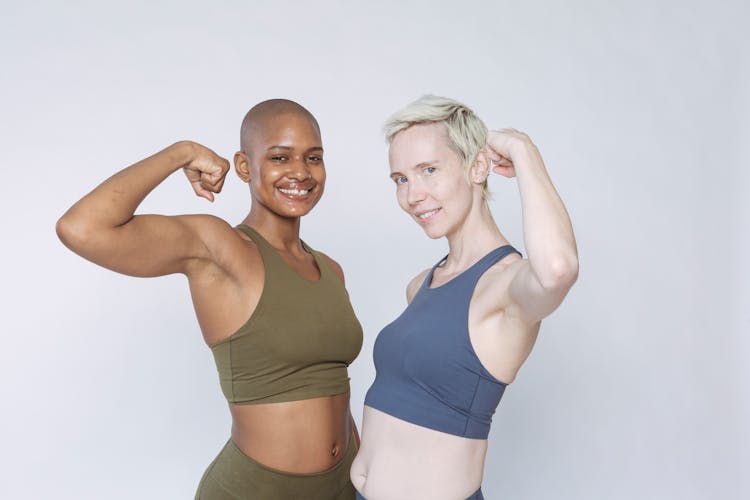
x,y
300,437
397,456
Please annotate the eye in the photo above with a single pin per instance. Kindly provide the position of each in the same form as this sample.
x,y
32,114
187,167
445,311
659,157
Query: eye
x,y
429,170
315,158
399,179
279,158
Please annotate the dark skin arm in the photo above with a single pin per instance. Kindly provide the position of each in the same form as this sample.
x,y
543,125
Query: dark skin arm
x,y
103,228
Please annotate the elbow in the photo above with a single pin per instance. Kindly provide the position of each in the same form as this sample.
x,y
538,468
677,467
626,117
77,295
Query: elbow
x,y
561,273
73,233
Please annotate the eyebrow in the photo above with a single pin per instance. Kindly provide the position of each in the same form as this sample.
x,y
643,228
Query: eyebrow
x,y
289,148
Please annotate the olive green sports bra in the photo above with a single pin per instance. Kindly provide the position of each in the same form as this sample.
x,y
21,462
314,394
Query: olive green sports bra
x,y
299,340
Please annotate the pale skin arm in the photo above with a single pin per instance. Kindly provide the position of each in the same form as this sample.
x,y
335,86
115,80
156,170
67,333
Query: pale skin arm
x,y
102,227
540,283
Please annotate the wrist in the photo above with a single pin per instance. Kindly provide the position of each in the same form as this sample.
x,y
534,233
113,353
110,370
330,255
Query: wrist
x,y
523,147
181,153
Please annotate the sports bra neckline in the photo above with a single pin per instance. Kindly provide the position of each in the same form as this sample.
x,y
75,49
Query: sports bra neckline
x,y
263,241
427,283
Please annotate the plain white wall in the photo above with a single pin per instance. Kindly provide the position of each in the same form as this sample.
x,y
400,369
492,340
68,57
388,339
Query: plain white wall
x,y
638,386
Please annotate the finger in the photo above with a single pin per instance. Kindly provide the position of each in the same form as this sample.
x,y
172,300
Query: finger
x,y
217,166
214,182
503,168
492,154
224,164
508,172
203,193
208,164
208,185
191,174
505,162
194,177
497,140
220,184
501,160
222,170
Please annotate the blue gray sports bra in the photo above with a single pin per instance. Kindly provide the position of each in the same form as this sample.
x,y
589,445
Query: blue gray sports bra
x,y
427,372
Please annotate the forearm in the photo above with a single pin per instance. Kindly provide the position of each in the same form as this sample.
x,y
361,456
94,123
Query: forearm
x,y
115,200
548,232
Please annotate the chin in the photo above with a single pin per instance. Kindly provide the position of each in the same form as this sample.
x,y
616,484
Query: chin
x,y
297,209
433,234
294,213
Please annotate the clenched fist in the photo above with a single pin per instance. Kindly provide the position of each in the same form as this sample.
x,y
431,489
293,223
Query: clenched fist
x,y
503,146
206,171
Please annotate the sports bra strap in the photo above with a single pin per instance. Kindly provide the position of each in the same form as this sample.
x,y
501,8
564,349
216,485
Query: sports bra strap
x,y
271,257
473,272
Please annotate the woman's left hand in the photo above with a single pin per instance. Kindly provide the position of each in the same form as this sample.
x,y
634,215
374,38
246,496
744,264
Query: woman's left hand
x,y
503,146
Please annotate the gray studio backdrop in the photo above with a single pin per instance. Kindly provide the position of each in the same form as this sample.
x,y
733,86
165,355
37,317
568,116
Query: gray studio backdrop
x,y
638,387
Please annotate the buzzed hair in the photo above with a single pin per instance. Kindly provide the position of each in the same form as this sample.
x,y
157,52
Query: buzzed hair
x,y
261,112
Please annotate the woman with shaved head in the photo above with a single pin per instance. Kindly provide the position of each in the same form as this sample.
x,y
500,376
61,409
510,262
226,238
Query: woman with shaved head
x,y
274,312
472,318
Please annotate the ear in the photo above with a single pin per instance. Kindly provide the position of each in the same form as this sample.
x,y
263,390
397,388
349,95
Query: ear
x,y
481,169
242,166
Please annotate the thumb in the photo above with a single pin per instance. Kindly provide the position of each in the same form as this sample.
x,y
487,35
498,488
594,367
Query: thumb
x,y
200,191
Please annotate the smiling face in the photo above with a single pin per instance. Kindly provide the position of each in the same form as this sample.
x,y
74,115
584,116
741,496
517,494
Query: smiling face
x,y
284,164
430,179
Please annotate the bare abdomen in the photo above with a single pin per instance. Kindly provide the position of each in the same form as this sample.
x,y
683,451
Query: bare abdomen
x,y
398,459
300,437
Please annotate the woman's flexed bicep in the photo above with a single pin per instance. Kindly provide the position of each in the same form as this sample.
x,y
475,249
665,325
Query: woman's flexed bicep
x,y
102,227
150,245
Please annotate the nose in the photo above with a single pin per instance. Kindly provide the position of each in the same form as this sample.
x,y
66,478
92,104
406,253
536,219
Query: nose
x,y
415,192
298,170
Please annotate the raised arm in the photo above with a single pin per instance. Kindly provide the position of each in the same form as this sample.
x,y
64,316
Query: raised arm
x,y
102,227
540,283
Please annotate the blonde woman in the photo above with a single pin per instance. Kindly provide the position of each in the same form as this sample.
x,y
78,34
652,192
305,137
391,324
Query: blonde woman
x,y
472,318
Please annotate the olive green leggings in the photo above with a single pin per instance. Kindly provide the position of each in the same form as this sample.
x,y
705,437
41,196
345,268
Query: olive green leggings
x,y
235,476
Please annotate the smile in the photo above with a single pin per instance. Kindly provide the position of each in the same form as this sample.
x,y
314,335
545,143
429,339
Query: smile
x,y
295,192
424,216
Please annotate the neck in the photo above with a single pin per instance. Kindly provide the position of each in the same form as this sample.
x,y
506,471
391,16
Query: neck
x,y
474,238
280,232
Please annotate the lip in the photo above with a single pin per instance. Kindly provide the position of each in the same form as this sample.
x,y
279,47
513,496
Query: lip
x,y
426,220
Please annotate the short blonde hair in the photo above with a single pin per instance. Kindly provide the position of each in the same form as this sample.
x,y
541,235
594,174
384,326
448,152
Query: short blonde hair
x,y
467,134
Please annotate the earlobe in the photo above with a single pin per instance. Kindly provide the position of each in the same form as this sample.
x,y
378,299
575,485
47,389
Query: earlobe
x,y
242,166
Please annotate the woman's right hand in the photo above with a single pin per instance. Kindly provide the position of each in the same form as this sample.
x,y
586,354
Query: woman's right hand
x,y
206,170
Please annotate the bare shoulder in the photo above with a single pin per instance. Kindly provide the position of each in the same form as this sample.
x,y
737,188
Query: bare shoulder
x,y
413,287
334,265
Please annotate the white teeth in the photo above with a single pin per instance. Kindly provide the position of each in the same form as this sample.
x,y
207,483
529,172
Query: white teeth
x,y
427,214
296,192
